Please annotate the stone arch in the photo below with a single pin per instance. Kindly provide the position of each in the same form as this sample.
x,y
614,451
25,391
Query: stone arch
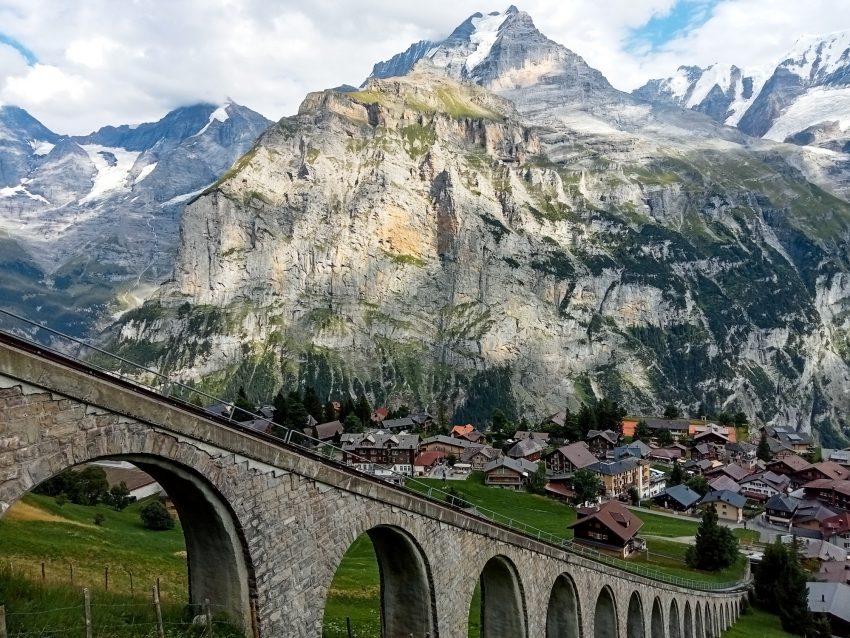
x,y
605,615
503,612
634,617
709,621
656,625
724,617
407,591
219,563
674,624
689,621
563,615
699,629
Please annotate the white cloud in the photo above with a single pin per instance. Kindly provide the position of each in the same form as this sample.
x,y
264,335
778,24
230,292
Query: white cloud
x,y
106,62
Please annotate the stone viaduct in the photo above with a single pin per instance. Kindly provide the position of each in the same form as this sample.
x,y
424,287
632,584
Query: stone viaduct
x,y
266,524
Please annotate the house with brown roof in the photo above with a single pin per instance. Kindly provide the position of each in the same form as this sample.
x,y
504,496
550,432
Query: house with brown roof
x,y
508,472
426,461
732,470
447,444
382,454
601,441
788,465
569,458
324,432
528,449
823,470
836,530
521,435
723,482
459,431
832,493
478,457
609,528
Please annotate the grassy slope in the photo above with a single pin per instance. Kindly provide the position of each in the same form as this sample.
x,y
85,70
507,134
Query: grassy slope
x,y
121,542
757,623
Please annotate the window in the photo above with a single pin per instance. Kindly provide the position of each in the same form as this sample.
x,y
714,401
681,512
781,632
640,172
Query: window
x,y
598,536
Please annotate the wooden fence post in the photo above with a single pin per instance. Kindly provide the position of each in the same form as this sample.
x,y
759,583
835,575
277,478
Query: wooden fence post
x,y
3,633
106,578
208,613
87,608
160,631
43,575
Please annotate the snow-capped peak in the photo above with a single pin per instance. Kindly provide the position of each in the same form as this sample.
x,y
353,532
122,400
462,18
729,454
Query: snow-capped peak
x,y
816,57
486,30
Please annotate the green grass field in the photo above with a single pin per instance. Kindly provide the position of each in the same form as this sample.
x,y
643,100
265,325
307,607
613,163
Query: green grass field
x,y
38,530
757,623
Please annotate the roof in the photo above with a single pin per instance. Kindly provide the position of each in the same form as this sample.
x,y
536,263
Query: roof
x,y
419,419
725,496
460,430
822,550
489,452
830,598
526,447
723,482
812,511
398,424
712,432
683,495
702,448
427,459
668,424
132,477
842,487
612,468
776,481
559,489
666,453
521,466
558,418
578,454
613,515
793,462
741,447
521,435
378,439
475,436
834,571
608,435
447,440
783,503
832,470
838,524
325,431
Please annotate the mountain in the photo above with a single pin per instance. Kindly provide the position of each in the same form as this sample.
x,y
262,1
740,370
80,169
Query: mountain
x,y
401,63
724,94
500,227
86,219
804,100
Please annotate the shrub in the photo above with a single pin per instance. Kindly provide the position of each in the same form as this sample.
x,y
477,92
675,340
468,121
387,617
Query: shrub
x,y
154,516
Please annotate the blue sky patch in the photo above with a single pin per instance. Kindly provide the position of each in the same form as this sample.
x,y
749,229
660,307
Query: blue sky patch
x,y
685,16
28,55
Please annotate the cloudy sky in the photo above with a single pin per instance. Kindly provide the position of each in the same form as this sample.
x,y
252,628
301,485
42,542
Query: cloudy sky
x,y
79,65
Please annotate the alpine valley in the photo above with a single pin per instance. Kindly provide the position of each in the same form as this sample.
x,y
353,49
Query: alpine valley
x,y
487,223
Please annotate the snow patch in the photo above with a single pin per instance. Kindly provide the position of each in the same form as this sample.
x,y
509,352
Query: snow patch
x,y
186,197
108,178
816,105
40,147
219,115
484,37
20,189
147,170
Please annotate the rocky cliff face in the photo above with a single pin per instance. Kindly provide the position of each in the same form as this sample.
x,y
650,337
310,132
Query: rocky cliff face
x,y
85,219
427,240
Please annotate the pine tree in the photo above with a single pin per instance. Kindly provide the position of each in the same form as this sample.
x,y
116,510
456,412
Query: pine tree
x,y
242,408
537,481
715,547
642,431
312,403
586,485
676,476
281,408
780,587
664,438
763,451
296,414
363,410
671,412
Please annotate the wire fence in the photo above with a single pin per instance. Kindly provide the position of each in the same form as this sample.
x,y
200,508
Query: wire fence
x,y
190,398
48,613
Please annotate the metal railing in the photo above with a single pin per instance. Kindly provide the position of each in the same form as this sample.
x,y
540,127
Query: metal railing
x,y
164,387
